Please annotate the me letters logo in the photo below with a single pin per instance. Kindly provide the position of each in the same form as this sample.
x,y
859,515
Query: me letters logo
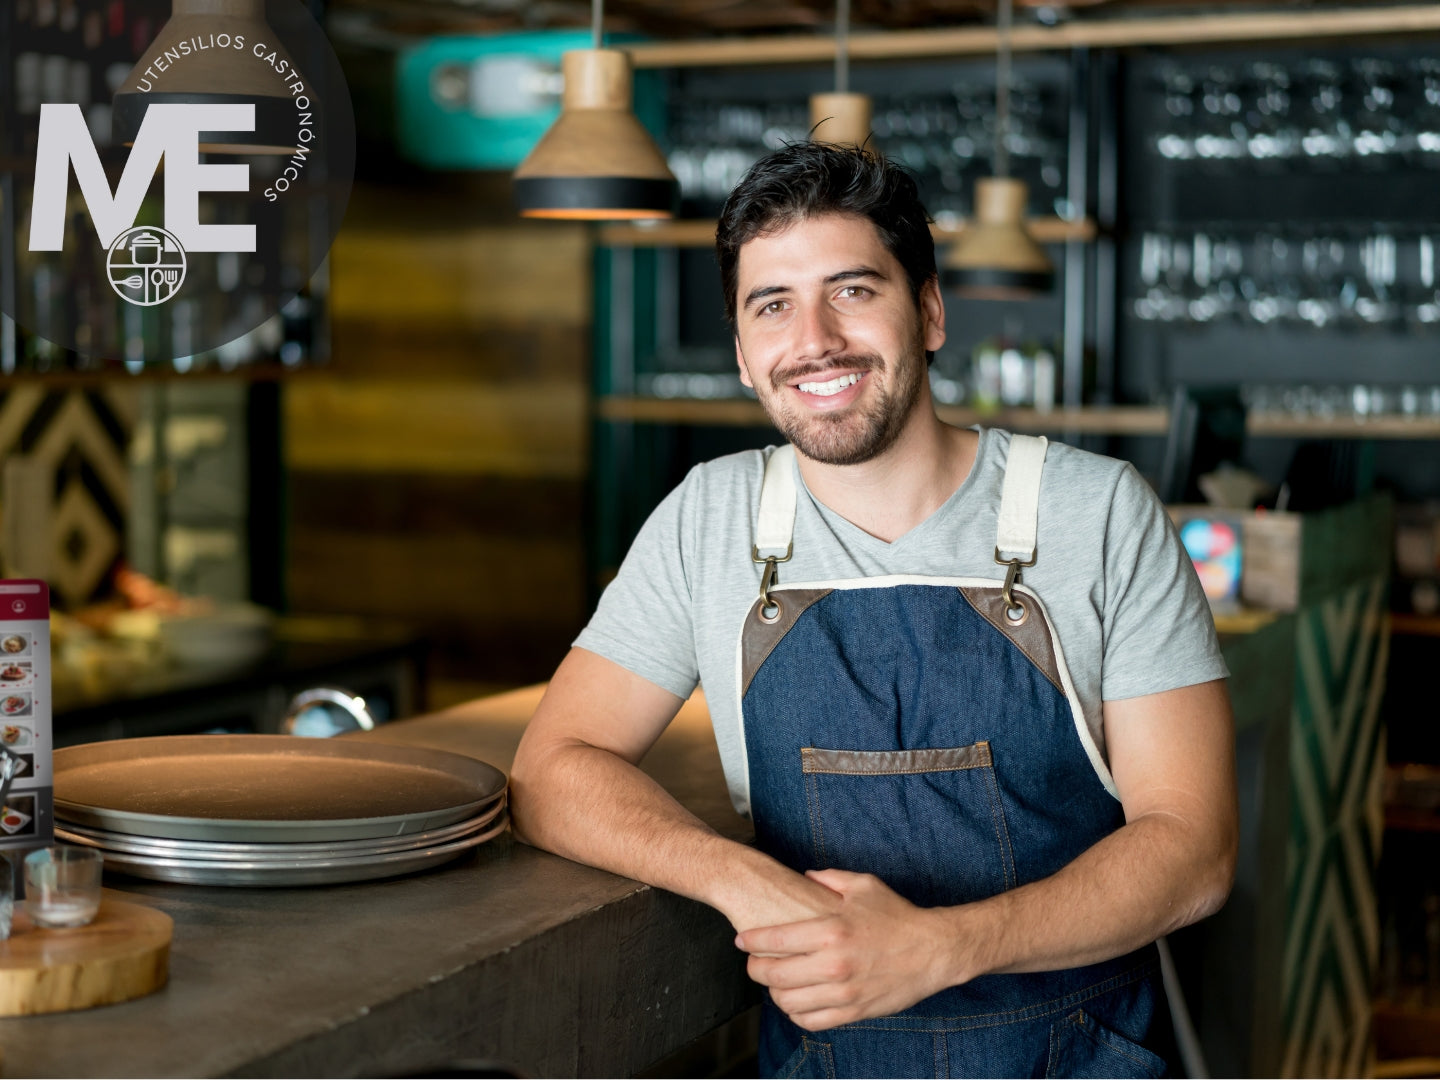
x,y
146,265
188,216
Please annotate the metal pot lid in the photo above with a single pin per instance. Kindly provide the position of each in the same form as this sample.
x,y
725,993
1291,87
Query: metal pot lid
x,y
268,788
304,872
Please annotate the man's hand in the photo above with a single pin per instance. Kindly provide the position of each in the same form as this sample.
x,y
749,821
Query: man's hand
x,y
759,892
877,954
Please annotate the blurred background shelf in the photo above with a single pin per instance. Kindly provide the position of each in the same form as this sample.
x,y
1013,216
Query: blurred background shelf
x,y
1086,32
1088,420
701,233
1121,420
1404,622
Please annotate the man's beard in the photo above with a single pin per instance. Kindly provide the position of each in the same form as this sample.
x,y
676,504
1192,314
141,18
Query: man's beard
x,y
854,435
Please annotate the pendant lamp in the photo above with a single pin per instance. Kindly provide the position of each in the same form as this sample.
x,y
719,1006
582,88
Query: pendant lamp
x,y
596,163
841,118
996,258
209,68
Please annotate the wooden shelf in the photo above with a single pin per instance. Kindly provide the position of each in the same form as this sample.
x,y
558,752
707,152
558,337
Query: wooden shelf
x,y
1410,819
701,233
734,412
1090,32
1408,1029
726,412
1090,420
1405,622
79,380
1277,425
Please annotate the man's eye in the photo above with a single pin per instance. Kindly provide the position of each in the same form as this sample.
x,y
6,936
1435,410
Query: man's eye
x,y
854,292
773,308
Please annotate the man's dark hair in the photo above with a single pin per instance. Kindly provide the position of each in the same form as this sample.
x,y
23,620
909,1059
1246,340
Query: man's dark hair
x,y
808,179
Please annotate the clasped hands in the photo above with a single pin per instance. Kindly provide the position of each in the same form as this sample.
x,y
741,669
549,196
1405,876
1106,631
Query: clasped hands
x,y
873,955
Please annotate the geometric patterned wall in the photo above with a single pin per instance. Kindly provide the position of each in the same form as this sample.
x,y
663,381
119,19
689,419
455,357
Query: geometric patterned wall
x,y
1337,758
80,437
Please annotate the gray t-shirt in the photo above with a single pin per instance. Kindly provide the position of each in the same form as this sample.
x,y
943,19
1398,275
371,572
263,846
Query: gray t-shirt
x,y
1118,585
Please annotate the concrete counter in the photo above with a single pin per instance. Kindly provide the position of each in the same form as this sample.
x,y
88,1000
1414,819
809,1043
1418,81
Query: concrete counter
x,y
510,955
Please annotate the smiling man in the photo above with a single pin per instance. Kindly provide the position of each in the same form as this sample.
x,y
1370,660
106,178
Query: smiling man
x,y
981,725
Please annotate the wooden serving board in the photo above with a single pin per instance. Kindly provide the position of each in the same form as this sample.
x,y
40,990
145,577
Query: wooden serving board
x,y
123,954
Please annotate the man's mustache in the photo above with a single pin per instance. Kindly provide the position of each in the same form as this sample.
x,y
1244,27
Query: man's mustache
x,y
788,376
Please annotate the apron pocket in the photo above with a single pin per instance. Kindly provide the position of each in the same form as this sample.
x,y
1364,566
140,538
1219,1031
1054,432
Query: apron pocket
x,y
812,1060
928,823
1081,1046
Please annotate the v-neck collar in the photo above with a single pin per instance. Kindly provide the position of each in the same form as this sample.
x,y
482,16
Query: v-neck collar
x,y
854,534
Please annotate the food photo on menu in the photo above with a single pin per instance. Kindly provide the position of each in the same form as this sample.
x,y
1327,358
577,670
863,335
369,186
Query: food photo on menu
x,y
16,735
15,672
15,644
15,705
18,814
25,764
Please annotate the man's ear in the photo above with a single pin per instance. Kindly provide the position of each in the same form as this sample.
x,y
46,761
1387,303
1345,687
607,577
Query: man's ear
x,y
740,360
932,314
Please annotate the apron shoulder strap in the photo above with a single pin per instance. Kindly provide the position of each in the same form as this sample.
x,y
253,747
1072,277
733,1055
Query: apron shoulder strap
x,y
1020,498
776,525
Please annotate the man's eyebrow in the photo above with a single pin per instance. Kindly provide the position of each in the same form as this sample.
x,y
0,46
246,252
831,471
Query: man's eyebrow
x,y
761,292
855,272
852,274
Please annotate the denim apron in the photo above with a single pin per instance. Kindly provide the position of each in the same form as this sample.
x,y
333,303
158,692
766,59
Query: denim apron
x,y
926,730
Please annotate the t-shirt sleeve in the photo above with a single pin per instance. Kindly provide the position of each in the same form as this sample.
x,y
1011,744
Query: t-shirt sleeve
x,y
1159,633
644,621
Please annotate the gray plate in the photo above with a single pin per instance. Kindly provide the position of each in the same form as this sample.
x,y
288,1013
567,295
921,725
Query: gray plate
x,y
302,871
268,788
145,847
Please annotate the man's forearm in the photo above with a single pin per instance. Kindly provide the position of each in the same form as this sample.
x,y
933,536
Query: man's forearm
x,y
589,805
1152,876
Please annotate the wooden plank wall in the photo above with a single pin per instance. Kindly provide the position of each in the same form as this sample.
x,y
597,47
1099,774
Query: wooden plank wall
x,y
436,469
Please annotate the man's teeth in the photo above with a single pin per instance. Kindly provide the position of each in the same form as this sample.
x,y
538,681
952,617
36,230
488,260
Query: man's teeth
x,y
825,389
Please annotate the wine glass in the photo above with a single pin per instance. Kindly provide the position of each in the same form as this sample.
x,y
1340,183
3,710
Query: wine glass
x,y
1326,131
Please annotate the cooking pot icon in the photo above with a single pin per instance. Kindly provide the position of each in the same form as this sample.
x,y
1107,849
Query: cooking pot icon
x,y
145,249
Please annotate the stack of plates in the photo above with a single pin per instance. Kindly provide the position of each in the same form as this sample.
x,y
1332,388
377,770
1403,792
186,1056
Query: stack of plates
x,y
273,809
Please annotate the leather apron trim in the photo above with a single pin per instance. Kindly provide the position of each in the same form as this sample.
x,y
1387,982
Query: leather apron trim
x,y
759,637
894,762
1031,637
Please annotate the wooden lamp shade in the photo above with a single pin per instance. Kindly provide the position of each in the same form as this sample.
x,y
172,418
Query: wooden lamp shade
x,y
841,119
216,74
995,258
596,162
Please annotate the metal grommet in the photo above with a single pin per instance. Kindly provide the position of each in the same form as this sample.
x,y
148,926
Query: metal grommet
x,y
1017,615
770,613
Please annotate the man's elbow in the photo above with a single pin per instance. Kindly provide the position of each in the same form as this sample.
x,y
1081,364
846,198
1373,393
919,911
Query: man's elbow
x,y
1216,875
527,795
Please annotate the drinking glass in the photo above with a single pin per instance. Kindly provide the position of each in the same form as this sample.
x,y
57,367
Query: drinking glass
x,y
62,886
1176,139
1373,302
7,895
1270,286
1377,131
1425,111
1327,132
1222,129
1425,292
1322,260
1272,131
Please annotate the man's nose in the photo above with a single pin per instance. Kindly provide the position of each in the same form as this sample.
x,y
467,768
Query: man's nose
x,y
820,332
